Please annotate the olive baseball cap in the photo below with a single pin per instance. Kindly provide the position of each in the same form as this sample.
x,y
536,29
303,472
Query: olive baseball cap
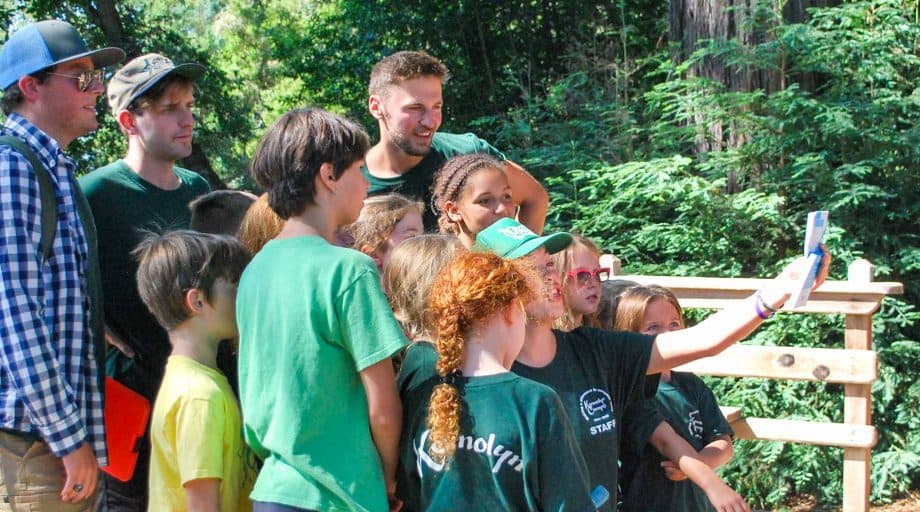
x,y
43,44
510,239
142,73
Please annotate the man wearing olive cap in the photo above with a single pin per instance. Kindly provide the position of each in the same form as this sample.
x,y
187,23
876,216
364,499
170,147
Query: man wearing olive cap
x,y
152,99
52,432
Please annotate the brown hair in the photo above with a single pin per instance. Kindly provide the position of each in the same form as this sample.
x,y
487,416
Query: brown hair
x,y
611,293
220,211
467,291
408,276
294,148
177,261
158,90
634,301
563,262
401,66
378,218
260,224
12,96
451,180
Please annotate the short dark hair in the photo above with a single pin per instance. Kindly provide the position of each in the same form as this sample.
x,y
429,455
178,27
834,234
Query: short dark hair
x,y
157,91
405,65
292,150
177,261
220,212
12,96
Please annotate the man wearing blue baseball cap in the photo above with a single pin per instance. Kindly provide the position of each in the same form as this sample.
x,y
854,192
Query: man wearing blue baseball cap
x,y
52,434
152,98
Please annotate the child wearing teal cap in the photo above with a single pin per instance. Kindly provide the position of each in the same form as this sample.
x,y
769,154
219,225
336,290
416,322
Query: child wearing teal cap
x,y
599,373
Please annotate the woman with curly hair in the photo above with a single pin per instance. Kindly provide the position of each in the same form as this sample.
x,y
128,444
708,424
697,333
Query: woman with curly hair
x,y
477,436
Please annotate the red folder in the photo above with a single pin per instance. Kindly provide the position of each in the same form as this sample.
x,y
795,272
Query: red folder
x,y
126,414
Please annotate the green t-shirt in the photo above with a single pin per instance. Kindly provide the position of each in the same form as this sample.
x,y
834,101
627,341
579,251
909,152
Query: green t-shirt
x,y
597,374
416,182
124,206
516,449
311,317
689,406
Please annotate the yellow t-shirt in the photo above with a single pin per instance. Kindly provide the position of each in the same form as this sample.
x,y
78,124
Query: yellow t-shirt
x,y
196,432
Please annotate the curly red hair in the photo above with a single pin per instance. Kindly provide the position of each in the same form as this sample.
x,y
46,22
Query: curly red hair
x,y
469,290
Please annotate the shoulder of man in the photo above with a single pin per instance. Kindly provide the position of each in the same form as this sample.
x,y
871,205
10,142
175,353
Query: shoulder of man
x,y
94,180
453,144
192,178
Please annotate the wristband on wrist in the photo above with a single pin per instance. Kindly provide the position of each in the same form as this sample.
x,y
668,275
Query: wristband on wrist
x,y
763,310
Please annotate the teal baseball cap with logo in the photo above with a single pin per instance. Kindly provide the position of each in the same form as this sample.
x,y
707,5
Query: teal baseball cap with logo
x,y
43,44
510,239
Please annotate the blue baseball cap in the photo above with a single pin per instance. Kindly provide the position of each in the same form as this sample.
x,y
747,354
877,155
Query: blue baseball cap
x,y
43,44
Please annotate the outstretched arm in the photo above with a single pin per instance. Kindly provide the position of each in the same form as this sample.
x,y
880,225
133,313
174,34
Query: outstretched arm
x,y
730,325
529,194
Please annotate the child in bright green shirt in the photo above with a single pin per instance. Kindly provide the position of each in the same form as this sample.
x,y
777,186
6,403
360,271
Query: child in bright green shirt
x,y
198,458
316,333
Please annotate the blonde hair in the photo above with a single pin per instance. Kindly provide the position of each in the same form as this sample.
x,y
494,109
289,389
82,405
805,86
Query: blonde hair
x,y
260,224
378,218
563,262
408,276
635,300
467,291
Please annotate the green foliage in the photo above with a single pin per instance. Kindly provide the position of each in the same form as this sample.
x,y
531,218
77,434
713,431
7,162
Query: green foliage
x,y
635,180
673,172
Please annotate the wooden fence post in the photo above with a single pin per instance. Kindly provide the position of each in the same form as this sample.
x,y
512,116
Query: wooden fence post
x,y
613,263
857,402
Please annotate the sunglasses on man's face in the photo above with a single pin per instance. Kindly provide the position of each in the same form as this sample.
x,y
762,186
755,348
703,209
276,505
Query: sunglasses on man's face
x,y
583,276
86,79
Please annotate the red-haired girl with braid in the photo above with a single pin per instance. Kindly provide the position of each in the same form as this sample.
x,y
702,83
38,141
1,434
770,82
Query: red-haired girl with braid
x,y
471,192
478,437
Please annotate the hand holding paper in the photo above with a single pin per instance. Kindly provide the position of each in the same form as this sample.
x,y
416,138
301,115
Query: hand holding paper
x,y
814,234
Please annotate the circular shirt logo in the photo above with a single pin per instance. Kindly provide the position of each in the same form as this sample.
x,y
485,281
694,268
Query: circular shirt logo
x,y
596,406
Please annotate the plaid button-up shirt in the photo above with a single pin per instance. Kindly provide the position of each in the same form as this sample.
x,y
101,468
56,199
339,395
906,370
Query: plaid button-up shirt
x,y
49,383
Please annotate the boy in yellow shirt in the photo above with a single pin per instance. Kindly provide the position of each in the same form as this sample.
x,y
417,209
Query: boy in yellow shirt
x,y
198,458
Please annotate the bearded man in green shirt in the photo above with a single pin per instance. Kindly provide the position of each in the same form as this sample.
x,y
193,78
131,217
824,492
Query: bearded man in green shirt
x,y
406,100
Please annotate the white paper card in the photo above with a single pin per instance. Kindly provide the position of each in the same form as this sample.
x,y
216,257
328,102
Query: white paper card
x,y
814,234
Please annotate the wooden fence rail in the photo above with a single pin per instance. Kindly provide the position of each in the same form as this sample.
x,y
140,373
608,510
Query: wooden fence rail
x,y
855,365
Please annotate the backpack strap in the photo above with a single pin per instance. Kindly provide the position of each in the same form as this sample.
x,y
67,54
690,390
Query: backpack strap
x,y
46,192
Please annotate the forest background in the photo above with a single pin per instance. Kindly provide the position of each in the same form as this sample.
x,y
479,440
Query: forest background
x,y
688,137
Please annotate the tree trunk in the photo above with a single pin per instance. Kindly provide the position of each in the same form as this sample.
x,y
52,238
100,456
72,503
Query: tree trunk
x,y
105,15
692,22
198,162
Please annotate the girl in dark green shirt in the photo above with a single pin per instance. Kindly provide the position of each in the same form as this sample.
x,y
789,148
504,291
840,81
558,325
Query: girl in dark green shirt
x,y
476,436
684,410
